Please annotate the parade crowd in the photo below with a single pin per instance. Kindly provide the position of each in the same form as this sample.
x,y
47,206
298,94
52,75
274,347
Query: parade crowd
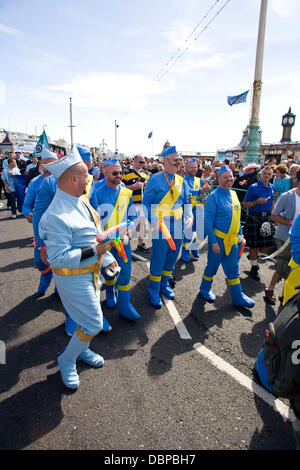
x,y
85,212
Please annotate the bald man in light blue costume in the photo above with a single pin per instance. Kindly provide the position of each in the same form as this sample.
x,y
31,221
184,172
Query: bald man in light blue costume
x,y
222,224
43,199
114,204
194,183
69,228
166,198
28,209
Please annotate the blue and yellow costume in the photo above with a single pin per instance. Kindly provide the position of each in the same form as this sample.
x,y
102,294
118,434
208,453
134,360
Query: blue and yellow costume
x,y
291,285
69,226
195,185
165,197
115,205
27,208
222,224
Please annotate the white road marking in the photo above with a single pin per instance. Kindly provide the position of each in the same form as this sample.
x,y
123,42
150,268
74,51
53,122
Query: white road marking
x,y
242,379
181,328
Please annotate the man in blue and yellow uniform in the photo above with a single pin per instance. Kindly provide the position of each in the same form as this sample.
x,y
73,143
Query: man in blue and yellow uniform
x,y
222,224
113,202
196,191
166,199
291,285
69,228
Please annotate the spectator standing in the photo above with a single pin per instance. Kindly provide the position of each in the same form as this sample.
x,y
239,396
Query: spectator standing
x,y
281,180
7,177
293,175
136,179
285,211
258,229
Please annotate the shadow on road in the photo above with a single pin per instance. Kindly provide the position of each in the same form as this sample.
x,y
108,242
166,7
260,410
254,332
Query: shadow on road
x,y
30,414
19,243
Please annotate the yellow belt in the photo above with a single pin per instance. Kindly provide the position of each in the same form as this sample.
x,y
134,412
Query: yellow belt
x,y
162,212
229,240
91,268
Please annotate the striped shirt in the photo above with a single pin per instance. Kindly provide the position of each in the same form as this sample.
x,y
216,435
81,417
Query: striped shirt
x,y
132,176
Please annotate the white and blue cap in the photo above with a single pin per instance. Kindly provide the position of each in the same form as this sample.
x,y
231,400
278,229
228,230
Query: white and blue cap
x,y
58,167
45,154
169,151
111,161
84,153
224,169
191,160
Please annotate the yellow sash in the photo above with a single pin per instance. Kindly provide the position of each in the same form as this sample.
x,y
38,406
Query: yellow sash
x,y
163,209
231,238
88,187
196,186
292,282
120,208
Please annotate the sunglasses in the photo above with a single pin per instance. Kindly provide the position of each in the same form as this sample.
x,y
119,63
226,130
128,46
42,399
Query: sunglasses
x,y
115,173
178,159
142,163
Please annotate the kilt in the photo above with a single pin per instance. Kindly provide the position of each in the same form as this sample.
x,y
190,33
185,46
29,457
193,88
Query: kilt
x,y
252,231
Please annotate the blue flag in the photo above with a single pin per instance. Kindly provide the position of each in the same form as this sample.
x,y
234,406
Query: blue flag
x,y
150,135
242,98
42,143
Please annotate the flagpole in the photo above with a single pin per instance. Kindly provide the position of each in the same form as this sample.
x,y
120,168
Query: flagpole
x,y
253,147
71,122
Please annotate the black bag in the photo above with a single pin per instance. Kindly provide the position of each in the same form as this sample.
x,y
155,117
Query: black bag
x,y
281,355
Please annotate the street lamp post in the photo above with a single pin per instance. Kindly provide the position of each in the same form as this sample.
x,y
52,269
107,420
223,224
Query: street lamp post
x,y
253,147
116,146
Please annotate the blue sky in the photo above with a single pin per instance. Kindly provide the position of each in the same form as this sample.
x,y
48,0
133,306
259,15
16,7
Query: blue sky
x,y
106,54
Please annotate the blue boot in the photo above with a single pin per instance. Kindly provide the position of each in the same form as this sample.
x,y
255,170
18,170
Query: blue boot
x,y
106,326
262,371
196,254
111,296
126,309
205,290
185,255
153,290
239,299
67,361
165,288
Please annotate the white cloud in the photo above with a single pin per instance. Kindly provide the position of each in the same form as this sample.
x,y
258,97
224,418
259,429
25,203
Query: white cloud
x,y
286,8
105,91
217,61
10,30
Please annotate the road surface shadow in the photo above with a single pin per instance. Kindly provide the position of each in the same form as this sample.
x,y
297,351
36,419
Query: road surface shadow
x,y
31,413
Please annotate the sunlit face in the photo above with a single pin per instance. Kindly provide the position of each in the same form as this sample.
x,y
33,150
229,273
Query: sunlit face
x,y
226,180
113,174
174,160
82,178
266,175
191,169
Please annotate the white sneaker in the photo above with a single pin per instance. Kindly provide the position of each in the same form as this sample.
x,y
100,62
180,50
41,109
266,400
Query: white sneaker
x,y
14,216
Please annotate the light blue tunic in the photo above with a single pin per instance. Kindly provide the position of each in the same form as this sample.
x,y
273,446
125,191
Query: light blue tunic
x,y
66,227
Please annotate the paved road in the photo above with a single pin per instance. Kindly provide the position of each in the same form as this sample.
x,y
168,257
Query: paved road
x,y
164,386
